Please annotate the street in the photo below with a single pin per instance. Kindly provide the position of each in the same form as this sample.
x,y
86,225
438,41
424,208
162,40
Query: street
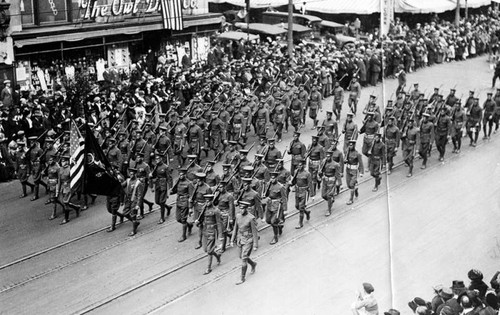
x,y
415,233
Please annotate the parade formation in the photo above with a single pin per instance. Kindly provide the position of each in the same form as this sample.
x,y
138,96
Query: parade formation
x,y
166,129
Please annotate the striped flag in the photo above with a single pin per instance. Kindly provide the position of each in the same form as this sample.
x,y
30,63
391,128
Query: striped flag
x,y
76,151
171,11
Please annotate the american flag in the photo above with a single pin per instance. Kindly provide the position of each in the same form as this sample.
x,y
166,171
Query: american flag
x,y
171,11
76,151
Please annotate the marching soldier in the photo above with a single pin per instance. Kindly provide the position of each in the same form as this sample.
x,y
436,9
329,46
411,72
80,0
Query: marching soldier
x,y
184,189
232,156
159,185
123,145
114,154
350,130
338,100
323,139
251,197
392,137
52,180
276,205
370,128
458,119
409,141
210,219
63,189
262,120
142,171
238,125
443,130
133,192
243,160
35,154
232,184
212,179
377,156
331,127
353,167
316,154
426,138
163,143
303,182
279,115
296,113
488,111
192,167
338,157
113,203
330,173
451,99
315,105
197,201
297,150
194,138
354,94
217,133
23,167
473,124
225,203
272,155
245,229
179,139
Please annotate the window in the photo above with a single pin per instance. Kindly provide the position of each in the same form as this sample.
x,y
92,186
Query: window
x,y
43,11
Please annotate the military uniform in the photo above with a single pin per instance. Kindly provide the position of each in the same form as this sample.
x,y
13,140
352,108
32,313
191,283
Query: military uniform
x,y
64,193
377,157
212,229
160,179
184,189
409,141
279,116
488,112
350,129
217,135
458,121
254,201
198,201
245,230
225,203
303,186
298,151
371,127
443,130
426,138
134,188
353,167
314,106
276,207
316,154
23,169
473,124
392,137
330,174
338,100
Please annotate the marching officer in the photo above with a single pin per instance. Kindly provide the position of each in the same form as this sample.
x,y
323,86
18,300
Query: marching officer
x,y
133,193
184,189
426,138
353,167
143,171
113,202
409,140
52,180
315,153
63,189
442,132
245,229
392,137
276,205
210,219
458,119
197,202
473,124
297,150
488,112
36,166
377,156
225,203
23,167
330,173
159,185
303,182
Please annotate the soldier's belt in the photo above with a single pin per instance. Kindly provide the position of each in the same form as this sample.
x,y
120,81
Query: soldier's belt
x,y
182,197
352,166
369,136
329,177
247,234
375,157
296,111
52,181
314,162
237,125
200,203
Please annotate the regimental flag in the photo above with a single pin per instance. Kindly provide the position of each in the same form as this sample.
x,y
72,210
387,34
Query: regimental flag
x,y
99,176
171,11
76,148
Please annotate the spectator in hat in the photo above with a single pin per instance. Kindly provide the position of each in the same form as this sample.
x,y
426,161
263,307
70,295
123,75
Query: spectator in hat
x,y
6,164
477,283
449,301
366,302
6,94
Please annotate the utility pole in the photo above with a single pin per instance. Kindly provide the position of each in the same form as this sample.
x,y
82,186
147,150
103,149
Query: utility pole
x,y
457,14
290,29
466,10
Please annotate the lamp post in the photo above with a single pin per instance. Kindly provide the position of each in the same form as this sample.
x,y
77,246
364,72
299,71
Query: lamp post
x,y
290,29
457,14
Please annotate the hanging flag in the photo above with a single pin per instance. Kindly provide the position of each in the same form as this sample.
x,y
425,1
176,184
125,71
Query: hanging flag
x,y
76,148
99,176
171,11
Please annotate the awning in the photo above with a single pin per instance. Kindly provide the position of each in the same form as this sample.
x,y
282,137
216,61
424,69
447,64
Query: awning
x,y
236,36
261,28
309,18
424,6
342,6
474,3
296,27
254,4
334,24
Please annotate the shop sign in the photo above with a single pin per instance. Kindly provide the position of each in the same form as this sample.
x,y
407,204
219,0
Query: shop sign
x,y
126,7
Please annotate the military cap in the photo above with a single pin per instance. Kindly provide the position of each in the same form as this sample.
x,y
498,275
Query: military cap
x,y
373,96
280,160
426,115
329,152
389,107
370,113
411,119
20,142
271,140
135,121
209,196
192,156
350,114
247,180
226,166
112,139
320,127
352,141
214,112
436,89
471,92
296,133
211,162
163,128
329,113
32,138
49,140
243,151
315,137
402,92
274,174
244,204
415,84
20,132
248,168
200,175
489,93
131,169
65,157
378,134
259,156
6,81
140,154
453,90
163,114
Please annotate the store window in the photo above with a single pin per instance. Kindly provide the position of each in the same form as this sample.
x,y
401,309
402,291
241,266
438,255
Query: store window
x,y
43,11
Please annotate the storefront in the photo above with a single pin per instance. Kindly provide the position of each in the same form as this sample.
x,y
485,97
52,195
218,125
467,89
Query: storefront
x,y
54,41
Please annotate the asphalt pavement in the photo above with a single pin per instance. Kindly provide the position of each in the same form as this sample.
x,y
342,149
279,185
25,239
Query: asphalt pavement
x,y
315,269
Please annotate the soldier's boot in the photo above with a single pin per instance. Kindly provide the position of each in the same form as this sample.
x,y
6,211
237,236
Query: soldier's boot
x,y
122,217
308,215
301,221
162,214
32,186
410,172
329,209
280,229
189,228
224,242
45,186
66,216
253,264
337,189
24,191
92,199
377,182
113,224
217,257
356,193
75,207
275,237
134,228
35,197
169,208
54,214
150,205
209,268
200,236
183,236
243,274
351,199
